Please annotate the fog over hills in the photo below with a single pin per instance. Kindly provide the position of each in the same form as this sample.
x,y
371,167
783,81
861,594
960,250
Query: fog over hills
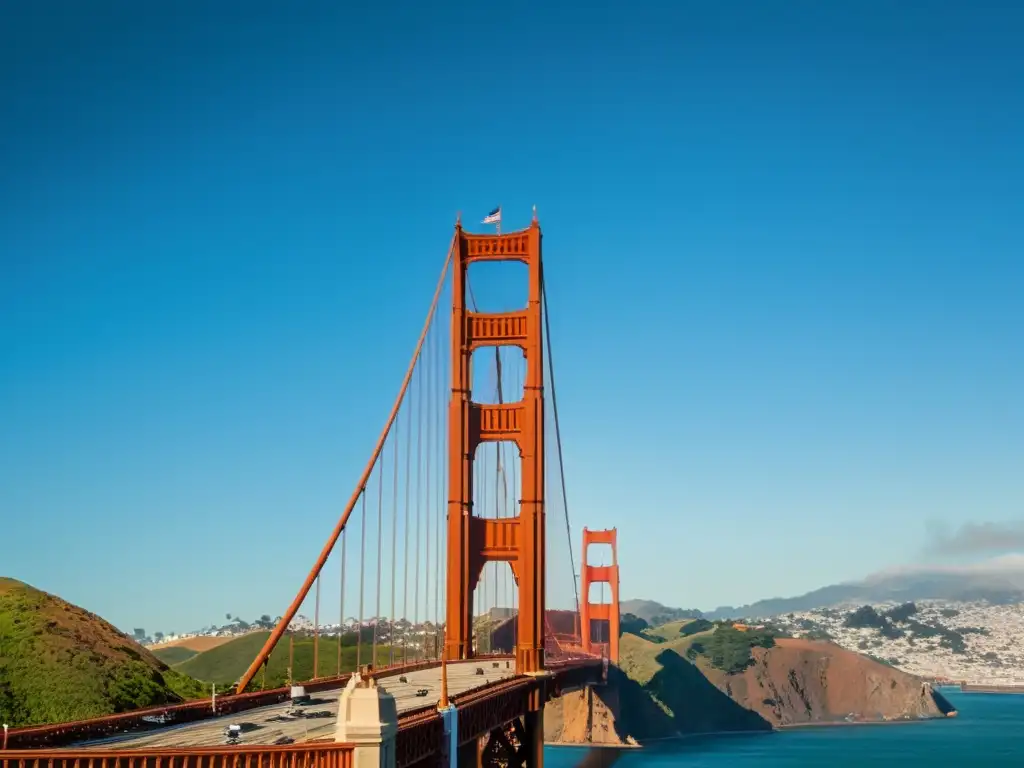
x,y
999,581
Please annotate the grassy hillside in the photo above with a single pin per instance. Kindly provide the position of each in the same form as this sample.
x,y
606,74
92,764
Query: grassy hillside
x,y
59,662
174,654
226,663
641,657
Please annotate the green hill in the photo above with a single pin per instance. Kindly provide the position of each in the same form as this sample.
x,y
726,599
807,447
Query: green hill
x,y
59,662
224,664
174,655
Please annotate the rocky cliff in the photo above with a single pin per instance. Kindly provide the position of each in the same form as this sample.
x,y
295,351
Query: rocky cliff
x,y
805,681
658,693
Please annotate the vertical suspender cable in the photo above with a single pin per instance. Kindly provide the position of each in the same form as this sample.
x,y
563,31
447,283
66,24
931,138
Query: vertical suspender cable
x,y
362,575
558,434
405,557
341,624
394,547
316,631
380,551
499,569
441,506
419,497
429,375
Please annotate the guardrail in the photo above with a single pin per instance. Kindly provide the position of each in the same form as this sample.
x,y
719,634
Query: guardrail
x,y
311,755
62,734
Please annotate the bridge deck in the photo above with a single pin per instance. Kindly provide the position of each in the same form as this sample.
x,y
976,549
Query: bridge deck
x,y
263,726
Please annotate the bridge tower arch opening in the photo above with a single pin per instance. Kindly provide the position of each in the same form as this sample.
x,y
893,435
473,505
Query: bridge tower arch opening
x,y
473,539
605,643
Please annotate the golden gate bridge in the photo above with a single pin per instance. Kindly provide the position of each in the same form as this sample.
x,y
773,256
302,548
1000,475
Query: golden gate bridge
x,y
449,516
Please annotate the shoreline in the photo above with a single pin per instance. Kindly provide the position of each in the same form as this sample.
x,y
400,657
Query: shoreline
x,y
589,745
775,729
841,723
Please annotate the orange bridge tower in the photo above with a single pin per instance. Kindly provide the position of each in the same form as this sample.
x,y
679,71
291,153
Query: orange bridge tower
x,y
519,540
606,643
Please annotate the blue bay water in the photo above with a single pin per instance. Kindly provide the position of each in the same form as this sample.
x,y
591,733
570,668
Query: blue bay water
x,y
988,733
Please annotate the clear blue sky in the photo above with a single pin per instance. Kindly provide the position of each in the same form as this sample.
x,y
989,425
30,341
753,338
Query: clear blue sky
x,y
784,253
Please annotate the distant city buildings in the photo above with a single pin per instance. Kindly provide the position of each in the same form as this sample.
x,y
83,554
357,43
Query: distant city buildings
x,y
973,642
302,624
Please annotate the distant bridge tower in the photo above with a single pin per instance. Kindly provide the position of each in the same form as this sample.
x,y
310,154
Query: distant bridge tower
x,y
472,540
605,644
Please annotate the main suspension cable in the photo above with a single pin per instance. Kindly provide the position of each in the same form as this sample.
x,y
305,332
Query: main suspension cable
x,y
328,547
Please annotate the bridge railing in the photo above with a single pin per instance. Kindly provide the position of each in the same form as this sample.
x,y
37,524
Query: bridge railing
x,y
61,734
310,755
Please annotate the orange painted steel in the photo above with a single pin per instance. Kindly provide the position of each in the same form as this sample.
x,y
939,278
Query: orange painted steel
x,y
310,755
474,541
282,625
597,574
420,734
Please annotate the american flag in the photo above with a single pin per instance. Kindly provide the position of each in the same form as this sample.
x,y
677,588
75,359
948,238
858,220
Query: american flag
x,y
494,217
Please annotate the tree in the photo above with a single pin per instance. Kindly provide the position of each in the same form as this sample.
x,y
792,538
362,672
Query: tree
x,y
902,612
695,626
158,636
227,616
139,634
632,624
265,620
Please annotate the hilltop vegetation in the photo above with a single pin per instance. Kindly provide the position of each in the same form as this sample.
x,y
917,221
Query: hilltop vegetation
x,y
59,662
729,649
224,664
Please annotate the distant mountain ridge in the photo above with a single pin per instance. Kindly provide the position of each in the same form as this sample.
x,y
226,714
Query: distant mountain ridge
x,y
999,581
654,613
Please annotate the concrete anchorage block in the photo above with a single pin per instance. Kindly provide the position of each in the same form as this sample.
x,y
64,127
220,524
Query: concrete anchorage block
x,y
368,718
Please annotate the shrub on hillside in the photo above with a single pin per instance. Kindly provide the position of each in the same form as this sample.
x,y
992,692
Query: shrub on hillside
x,y
729,649
695,626
632,624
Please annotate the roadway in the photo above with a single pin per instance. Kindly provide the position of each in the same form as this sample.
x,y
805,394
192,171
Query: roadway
x,y
264,725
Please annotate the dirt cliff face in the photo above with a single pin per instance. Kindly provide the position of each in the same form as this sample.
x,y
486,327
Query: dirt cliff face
x,y
806,681
796,682
587,716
